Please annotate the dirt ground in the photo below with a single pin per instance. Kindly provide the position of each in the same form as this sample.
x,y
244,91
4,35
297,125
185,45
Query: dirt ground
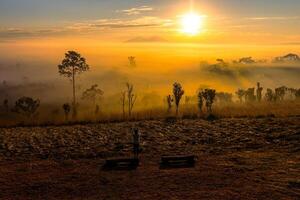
x,y
237,159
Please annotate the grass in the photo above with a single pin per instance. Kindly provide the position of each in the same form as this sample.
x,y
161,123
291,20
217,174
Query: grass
x,y
50,115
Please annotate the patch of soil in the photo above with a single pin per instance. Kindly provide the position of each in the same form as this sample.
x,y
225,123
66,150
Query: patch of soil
x,y
237,159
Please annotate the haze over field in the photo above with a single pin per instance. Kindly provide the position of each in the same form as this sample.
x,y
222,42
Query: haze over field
x,y
149,99
170,40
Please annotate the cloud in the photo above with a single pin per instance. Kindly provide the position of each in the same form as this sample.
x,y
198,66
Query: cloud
x,y
85,27
15,33
121,23
146,39
274,18
136,11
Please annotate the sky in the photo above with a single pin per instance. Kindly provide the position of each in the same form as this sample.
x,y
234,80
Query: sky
x,y
226,21
35,34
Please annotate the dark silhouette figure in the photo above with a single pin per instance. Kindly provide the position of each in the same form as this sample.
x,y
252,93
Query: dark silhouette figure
x,y
72,65
136,142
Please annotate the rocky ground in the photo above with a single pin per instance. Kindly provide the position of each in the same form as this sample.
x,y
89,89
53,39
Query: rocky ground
x,y
237,159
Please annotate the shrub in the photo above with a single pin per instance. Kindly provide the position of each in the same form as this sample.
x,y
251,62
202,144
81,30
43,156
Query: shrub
x,y
26,106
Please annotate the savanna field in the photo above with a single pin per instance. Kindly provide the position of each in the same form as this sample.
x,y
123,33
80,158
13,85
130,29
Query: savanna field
x,y
237,158
149,100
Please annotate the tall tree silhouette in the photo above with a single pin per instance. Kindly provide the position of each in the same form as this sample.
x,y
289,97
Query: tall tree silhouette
x,y
72,65
259,92
131,98
209,96
178,92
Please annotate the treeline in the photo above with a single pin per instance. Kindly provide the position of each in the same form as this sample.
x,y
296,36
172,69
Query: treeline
x,y
74,64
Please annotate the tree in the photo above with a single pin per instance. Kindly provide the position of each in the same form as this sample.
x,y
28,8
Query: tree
x,y
67,109
97,108
178,92
5,105
259,92
270,95
187,99
249,95
71,65
200,100
131,97
224,97
123,103
132,61
209,96
169,100
93,94
240,93
26,106
295,92
280,93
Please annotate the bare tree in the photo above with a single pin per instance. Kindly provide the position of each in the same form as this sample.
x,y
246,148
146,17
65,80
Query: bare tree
x,y
73,64
123,103
259,92
131,97
67,109
209,96
240,93
26,106
169,100
178,92
200,100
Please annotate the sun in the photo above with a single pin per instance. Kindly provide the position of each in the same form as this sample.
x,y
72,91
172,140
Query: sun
x,y
191,23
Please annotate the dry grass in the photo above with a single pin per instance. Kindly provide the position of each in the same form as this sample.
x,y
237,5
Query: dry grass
x,y
52,115
237,159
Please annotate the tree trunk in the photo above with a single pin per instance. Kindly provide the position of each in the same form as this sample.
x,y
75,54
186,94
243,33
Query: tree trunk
x,y
74,95
129,106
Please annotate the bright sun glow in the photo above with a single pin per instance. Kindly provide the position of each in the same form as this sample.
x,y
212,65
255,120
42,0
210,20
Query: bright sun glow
x,y
191,23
